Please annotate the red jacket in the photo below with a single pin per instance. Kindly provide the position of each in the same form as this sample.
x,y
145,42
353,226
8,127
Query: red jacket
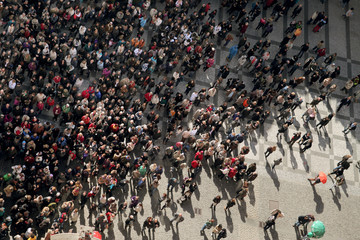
x,y
148,96
194,164
50,101
199,155
321,52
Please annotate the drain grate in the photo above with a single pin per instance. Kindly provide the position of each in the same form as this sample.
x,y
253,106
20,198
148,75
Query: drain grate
x,y
197,211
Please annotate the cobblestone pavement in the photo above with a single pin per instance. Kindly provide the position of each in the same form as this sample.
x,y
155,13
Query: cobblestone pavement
x,y
286,188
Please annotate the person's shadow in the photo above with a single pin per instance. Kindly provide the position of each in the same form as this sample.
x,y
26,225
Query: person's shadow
x,y
344,188
110,233
251,194
293,160
281,147
273,175
336,197
322,141
252,146
229,221
305,163
242,210
187,206
318,200
348,145
175,232
274,233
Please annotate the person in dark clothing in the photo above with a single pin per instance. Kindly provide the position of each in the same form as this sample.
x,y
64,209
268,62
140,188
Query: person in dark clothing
x,y
230,204
216,201
345,101
303,49
294,138
304,220
324,121
296,11
307,145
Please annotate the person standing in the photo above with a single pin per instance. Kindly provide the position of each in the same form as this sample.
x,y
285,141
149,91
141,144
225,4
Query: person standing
x,y
304,48
320,53
318,46
56,111
296,11
232,52
350,127
242,192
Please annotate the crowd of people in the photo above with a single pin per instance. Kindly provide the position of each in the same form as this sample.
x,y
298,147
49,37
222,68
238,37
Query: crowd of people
x,y
105,139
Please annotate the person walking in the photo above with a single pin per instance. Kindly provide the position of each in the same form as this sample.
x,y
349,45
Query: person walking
x,y
177,217
230,204
296,136
350,127
339,180
338,171
208,224
307,145
242,192
304,220
283,129
310,114
314,181
345,101
348,13
276,162
129,221
270,150
276,213
216,201
324,121
171,184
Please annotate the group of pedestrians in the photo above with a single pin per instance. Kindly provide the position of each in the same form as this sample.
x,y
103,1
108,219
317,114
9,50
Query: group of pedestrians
x,y
105,139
